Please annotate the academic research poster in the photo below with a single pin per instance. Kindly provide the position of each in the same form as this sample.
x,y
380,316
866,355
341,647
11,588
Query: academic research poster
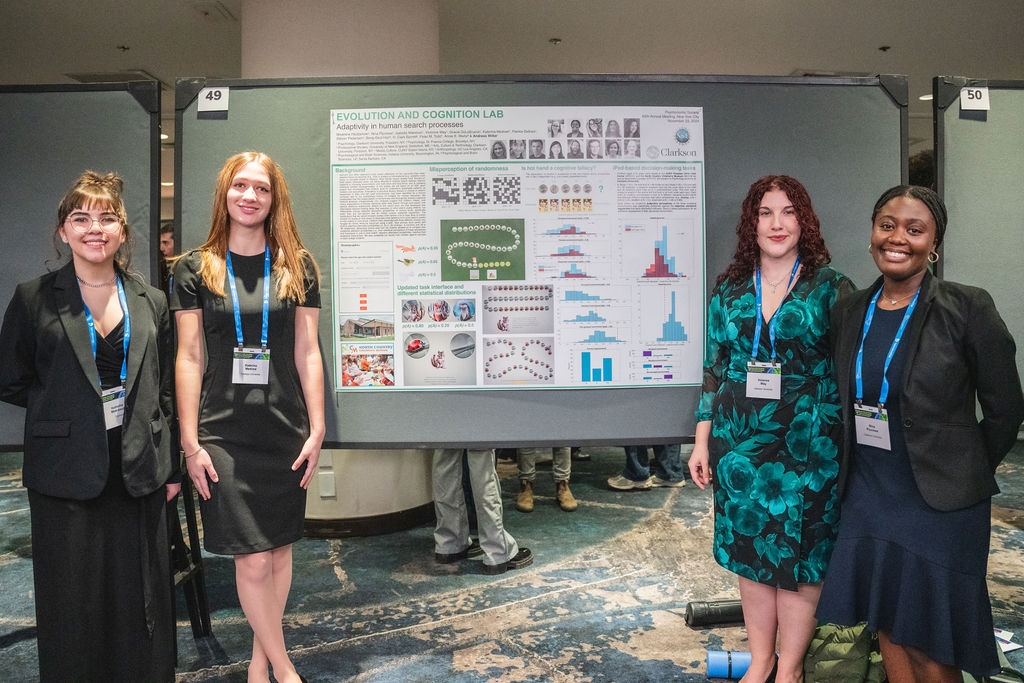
x,y
517,247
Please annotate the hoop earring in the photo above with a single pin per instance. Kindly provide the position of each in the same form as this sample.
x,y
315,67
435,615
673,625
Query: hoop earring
x,y
933,257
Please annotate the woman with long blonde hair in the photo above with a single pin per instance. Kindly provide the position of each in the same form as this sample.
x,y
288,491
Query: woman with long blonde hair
x,y
250,390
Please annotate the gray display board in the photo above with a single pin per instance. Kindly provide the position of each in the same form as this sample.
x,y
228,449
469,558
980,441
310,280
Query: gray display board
x,y
845,139
980,175
50,135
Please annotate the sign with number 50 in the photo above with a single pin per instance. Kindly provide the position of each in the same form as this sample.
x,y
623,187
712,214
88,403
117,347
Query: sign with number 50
x,y
974,97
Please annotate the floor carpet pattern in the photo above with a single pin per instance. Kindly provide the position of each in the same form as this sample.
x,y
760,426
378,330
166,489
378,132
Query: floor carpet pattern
x,y
604,599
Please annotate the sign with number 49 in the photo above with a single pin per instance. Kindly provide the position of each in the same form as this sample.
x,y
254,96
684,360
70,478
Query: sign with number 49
x,y
212,99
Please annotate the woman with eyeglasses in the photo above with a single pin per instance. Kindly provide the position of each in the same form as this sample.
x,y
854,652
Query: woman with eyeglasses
x,y
87,352
250,390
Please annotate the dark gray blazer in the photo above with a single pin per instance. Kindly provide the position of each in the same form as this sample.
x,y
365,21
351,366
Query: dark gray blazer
x,y
47,366
960,351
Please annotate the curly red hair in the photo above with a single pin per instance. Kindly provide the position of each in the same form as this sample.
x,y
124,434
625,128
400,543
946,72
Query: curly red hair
x,y
813,252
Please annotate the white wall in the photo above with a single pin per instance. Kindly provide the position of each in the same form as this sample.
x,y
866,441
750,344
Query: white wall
x,y
309,38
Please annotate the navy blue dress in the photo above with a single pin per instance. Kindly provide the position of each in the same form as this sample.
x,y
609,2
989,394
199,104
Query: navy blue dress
x,y
900,565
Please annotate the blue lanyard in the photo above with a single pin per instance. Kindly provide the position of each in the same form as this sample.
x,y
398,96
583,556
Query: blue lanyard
x,y
884,393
771,323
266,298
127,330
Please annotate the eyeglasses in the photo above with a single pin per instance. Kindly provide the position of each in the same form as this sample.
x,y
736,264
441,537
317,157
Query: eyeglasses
x,y
82,222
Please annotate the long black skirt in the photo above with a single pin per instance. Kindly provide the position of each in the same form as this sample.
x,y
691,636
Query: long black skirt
x,y
104,609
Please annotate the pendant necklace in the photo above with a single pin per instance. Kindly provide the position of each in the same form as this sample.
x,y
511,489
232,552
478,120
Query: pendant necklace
x,y
892,301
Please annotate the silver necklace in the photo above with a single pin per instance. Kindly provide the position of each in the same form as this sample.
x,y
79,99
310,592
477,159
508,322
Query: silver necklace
x,y
96,284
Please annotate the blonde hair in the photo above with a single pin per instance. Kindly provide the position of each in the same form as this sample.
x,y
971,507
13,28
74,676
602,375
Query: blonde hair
x,y
286,248
105,192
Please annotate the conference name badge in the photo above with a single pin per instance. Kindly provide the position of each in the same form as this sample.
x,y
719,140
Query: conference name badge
x,y
764,380
872,425
113,407
251,366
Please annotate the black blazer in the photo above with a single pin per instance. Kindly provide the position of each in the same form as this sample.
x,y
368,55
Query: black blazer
x,y
47,366
961,355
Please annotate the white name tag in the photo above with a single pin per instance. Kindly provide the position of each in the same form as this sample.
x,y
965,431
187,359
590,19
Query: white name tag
x,y
764,380
872,425
251,366
113,407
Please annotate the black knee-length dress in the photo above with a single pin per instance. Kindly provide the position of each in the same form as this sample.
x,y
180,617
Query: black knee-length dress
x,y
252,432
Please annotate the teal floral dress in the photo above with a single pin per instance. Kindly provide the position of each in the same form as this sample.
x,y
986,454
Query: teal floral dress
x,y
774,462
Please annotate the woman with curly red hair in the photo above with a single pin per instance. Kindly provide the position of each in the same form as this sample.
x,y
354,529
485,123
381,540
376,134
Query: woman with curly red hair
x,y
769,421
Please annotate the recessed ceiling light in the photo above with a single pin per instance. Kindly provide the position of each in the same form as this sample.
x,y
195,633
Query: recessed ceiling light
x,y
555,41
166,184
926,98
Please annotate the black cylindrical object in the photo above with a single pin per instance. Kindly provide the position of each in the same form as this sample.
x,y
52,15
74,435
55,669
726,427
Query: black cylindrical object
x,y
705,613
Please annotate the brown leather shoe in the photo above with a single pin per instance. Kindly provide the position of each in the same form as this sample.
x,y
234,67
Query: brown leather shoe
x,y
565,497
524,503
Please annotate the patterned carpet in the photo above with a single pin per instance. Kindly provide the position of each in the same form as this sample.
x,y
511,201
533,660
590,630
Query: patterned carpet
x,y
603,601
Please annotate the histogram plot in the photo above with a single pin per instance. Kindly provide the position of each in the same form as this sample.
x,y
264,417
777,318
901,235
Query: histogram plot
x,y
666,316
596,323
663,265
569,251
573,251
609,332
583,294
672,330
602,336
567,229
573,269
578,295
590,316
658,250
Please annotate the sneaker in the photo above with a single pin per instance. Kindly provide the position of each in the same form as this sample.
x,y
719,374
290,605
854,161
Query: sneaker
x,y
668,483
620,483
523,558
578,453
472,551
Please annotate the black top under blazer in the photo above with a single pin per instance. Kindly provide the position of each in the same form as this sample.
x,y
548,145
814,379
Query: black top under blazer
x,y
959,349
47,366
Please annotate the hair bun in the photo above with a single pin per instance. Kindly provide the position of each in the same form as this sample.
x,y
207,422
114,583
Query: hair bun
x,y
111,181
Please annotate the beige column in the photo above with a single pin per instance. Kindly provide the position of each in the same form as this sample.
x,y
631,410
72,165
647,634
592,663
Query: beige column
x,y
301,38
